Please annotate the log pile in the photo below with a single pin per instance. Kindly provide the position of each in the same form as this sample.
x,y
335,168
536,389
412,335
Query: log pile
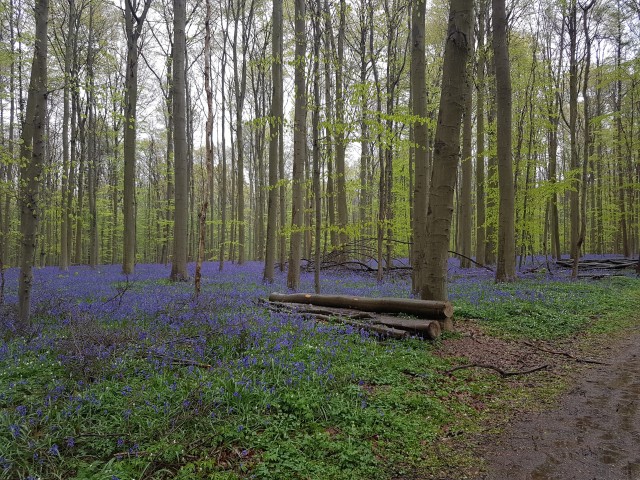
x,y
602,264
373,314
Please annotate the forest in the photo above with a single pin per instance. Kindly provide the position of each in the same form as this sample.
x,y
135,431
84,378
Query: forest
x,y
166,166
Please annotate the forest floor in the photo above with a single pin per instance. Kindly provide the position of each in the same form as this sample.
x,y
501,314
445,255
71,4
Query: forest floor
x,y
588,429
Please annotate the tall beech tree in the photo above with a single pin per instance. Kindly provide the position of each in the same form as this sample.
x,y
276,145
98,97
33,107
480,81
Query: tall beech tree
x,y
180,160
32,159
447,148
480,151
506,263
134,23
421,138
299,146
275,139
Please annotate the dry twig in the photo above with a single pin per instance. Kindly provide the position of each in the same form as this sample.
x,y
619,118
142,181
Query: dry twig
x,y
502,373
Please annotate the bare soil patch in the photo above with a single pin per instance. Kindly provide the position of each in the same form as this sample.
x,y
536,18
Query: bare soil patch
x,y
590,432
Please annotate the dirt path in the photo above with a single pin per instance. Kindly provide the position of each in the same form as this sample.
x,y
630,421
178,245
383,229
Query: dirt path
x,y
593,433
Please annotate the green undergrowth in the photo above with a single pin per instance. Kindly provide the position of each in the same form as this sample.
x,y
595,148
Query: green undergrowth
x,y
377,409
546,310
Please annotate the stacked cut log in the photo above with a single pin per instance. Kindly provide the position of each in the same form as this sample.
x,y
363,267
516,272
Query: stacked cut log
x,y
374,314
602,264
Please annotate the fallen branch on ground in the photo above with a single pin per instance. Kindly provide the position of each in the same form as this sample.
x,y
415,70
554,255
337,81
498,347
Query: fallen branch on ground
x,y
502,373
565,354
180,361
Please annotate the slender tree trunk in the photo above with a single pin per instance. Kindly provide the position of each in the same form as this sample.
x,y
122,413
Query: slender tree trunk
x,y
81,122
506,266
208,133
330,133
65,218
447,147
169,166
223,195
92,177
587,127
315,128
181,216
32,162
341,188
420,134
363,199
275,120
133,33
466,206
574,195
299,147
480,150
624,227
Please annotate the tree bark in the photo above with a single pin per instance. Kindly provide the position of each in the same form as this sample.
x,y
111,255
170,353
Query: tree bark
x,y
434,310
466,206
181,216
447,148
506,265
275,120
574,198
421,139
299,147
133,33
480,150
32,162
341,185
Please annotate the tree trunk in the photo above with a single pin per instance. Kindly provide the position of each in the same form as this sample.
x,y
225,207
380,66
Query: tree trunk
x,y
181,216
299,147
32,162
133,33
447,148
574,198
341,188
466,206
421,139
208,136
506,265
431,309
480,150
275,120
315,128
223,194
65,217
92,176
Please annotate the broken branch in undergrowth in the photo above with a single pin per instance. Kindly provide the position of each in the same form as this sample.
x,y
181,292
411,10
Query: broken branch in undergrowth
x,y
180,361
565,354
471,260
502,373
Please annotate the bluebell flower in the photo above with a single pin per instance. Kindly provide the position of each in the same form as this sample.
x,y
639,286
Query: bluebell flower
x,y
15,430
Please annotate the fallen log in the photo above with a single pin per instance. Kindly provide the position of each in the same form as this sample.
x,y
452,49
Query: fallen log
x,y
429,309
430,329
384,324
379,329
600,264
